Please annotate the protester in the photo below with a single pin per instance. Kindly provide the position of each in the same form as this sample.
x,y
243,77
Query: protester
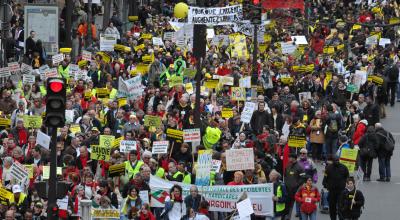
x,y
308,195
384,150
351,201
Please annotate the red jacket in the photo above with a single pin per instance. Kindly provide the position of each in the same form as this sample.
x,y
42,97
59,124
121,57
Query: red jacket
x,y
307,198
149,216
361,128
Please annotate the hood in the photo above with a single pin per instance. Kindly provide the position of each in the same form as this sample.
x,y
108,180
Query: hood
x,y
364,121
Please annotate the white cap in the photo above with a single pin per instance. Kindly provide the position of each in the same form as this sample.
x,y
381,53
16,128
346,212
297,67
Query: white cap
x,y
16,189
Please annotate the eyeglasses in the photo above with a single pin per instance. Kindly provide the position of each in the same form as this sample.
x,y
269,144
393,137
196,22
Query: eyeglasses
x,y
303,153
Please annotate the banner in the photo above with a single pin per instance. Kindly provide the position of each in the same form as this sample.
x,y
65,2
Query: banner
x,y
191,135
240,159
131,88
215,16
285,4
105,213
221,198
107,42
204,164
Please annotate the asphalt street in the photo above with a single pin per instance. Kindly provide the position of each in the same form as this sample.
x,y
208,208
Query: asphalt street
x,y
382,199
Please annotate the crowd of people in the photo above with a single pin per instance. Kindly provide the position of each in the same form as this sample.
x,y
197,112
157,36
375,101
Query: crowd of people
x,y
347,82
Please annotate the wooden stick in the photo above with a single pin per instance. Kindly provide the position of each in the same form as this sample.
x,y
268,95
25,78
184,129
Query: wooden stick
x,y
172,148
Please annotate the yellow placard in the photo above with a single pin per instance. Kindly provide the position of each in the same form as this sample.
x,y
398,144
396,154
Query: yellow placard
x,y
329,50
297,141
146,36
29,168
5,195
189,88
105,213
33,121
287,80
117,142
142,68
175,134
106,140
5,122
211,84
227,113
238,94
147,58
175,81
88,95
133,18
102,93
75,129
139,47
340,47
152,121
122,102
100,153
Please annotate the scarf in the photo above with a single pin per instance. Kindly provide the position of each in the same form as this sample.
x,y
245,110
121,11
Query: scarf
x,y
22,136
178,199
84,161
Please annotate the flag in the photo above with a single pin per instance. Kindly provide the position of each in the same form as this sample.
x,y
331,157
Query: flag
x,y
285,4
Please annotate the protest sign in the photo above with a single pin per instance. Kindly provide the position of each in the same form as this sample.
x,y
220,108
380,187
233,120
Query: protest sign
x,y
19,173
102,93
5,72
352,88
239,50
247,112
384,41
107,42
29,168
32,121
127,146
245,209
216,165
75,128
25,69
131,88
203,168
160,147
144,196
240,159
63,203
371,40
100,153
116,170
191,135
220,40
169,36
175,81
238,94
288,47
117,142
5,196
299,40
105,213
43,139
360,77
224,80
58,58
220,197
189,88
304,96
106,140
158,41
14,67
86,55
4,122
215,16
227,113
211,83
28,79
152,121
297,141
348,157
175,134
245,82
49,73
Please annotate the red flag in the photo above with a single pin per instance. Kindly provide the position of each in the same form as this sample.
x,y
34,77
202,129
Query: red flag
x,y
286,4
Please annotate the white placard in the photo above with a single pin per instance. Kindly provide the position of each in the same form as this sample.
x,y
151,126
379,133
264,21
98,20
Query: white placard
x,y
220,40
371,40
288,47
169,36
25,68
210,33
28,79
144,196
14,67
215,16
158,41
299,40
131,88
240,159
86,55
245,82
160,147
69,116
5,72
51,73
43,139
216,166
384,41
304,95
247,112
191,135
360,77
63,203
19,173
107,42
127,146
58,58
245,208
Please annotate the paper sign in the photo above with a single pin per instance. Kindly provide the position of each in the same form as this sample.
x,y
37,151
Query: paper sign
x,y
28,79
191,135
14,67
189,88
245,208
211,84
100,153
43,139
371,40
49,73
238,94
216,166
5,195
288,47
5,72
158,41
160,147
144,196
58,58
106,141
297,141
245,82
127,146
203,168
4,122
63,203
86,55
107,42
152,121
247,112
384,41
240,159
116,170
175,134
227,113
32,121
105,213
299,40
19,173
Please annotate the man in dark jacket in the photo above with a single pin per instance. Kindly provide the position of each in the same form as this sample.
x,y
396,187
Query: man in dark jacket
x,y
371,111
259,119
392,76
335,178
351,201
30,45
385,149
193,200
294,177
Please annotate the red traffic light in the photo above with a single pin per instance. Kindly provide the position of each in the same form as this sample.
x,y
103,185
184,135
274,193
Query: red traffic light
x,y
56,86
256,2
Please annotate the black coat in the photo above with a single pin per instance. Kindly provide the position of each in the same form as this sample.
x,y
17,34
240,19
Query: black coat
x,y
30,46
381,137
335,177
371,113
279,122
345,200
259,120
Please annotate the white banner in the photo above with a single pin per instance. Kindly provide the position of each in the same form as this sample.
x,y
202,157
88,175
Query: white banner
x,y
220,197
247,112
288,47
240,159
107,42
215,16
19,173
131,88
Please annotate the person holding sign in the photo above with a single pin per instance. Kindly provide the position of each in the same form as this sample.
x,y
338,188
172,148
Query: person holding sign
x,y
308,195
351,200
132,200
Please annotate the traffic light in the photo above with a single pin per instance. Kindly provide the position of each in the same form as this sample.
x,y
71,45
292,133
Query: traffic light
x,y
256,12
55,103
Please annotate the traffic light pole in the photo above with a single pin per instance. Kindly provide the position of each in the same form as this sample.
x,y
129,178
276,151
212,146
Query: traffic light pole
x,y
52,209
255,58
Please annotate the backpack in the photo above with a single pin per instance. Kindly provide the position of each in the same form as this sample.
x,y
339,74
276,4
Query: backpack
x,y
389,142
333,126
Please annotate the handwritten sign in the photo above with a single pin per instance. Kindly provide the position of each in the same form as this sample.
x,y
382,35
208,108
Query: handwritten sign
x,y
191,135
152,121
160,147
240,159
297,141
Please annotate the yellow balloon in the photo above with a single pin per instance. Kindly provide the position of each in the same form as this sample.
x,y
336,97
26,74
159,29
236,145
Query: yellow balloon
x,y
181,10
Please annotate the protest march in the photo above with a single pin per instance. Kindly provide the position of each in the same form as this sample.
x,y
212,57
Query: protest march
x,y
196,110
